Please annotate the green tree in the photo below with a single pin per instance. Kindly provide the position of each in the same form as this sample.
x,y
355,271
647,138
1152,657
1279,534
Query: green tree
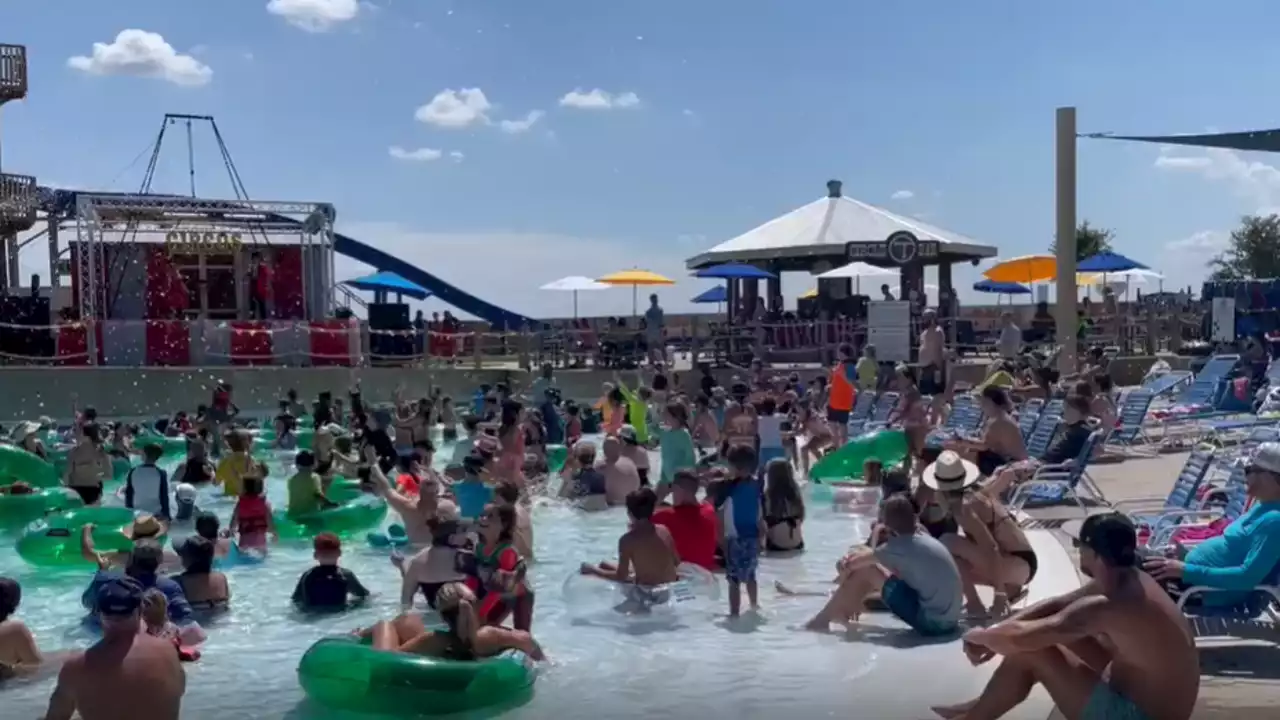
x,y
1253,250
1090,240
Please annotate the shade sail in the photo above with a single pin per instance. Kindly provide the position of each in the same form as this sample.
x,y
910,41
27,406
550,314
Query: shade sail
x,y
1025,269
1108,262
717,294
734,271
1252,140
1001,288
388,282
635,277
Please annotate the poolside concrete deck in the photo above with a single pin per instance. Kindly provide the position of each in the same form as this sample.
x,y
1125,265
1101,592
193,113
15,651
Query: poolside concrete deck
x,y
1240,665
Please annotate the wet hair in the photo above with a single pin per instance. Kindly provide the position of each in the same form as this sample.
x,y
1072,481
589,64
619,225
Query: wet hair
x,y
679,413
1112,537
327,543
456,605
781,490
207,526
899,514
506,520
252,486
510,415
238,441
152,452
92,432
895,481
197,555
997,396
10,597
304,460
742,458
641,503
508,491
145,559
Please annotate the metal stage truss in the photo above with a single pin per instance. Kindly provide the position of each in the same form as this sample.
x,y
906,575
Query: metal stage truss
x,y
198,225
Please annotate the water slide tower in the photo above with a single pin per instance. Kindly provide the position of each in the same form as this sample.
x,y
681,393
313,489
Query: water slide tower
x,y
17,192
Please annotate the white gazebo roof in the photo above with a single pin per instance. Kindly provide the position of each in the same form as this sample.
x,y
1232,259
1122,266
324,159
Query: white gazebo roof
x,y
824,227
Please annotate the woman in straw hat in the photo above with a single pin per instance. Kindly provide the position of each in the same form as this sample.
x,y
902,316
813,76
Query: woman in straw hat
x,y
993,550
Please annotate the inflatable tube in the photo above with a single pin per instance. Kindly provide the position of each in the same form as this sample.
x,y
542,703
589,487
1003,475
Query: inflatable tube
x,y
18,510
344,673
357,511
887,446
18,464
394,537
170,445
266,436
557,455
595,601
55,540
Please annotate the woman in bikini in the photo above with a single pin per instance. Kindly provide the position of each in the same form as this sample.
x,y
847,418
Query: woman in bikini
x,y
464,637
783,508
1001,441
911,413
206,589
88,465
993,551
510,463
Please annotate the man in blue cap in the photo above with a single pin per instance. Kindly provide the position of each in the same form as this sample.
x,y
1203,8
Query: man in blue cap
x,y
143,567
123,671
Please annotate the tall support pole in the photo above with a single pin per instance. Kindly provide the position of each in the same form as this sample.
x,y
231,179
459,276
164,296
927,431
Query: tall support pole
x,y
1067,322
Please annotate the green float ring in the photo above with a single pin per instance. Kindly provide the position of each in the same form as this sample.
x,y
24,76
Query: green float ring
x,y
556,457
346,674
55,540
845,463
19,510
357,512
18,464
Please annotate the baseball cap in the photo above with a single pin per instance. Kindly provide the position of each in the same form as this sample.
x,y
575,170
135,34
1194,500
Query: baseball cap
x,y
1112,537
1266,457
119,596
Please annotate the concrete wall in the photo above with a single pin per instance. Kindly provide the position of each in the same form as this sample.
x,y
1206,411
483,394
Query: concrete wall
x,y
129,392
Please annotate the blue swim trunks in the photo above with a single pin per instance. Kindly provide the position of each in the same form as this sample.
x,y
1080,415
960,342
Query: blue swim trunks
x,y
1107,704
741,557
904,602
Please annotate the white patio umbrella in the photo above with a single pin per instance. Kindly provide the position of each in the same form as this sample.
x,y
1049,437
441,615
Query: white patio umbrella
x,y
573,284
856,271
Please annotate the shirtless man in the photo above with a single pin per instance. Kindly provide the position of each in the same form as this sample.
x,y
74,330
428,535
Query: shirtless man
x,y
621,476
18,651
1121,618
647,558
123,669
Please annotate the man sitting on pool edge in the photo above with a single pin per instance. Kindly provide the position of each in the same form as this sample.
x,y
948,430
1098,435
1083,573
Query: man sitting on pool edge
x,y
647,558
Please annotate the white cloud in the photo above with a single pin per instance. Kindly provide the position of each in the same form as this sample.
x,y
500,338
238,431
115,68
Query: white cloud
x,y
140,53
315,15
598,99
1205,241
456,155
528,261
419,155
1256,182
515,127
456,109
902,195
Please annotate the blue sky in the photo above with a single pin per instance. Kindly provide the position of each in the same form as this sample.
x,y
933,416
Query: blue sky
x,y
711,117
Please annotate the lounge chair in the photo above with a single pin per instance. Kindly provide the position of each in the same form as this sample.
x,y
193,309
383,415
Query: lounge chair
x,y
1150,512
862,407
1057,483
1042,437
880,413
1166,383
964,419
1132,414
1195,525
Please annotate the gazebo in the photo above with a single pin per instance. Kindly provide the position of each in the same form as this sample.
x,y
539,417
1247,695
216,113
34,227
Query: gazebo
x,y
835,230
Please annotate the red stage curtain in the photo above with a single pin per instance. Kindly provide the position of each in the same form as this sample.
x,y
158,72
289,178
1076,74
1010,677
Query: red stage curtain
x,y
286,291
168,343
331,343
73,343
248,347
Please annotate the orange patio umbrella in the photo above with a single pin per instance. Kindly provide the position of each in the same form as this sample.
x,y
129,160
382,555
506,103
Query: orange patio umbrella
x,y
635,278
1026,269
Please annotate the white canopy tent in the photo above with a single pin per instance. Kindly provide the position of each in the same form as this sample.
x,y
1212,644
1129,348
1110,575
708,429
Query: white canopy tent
x,y
856,271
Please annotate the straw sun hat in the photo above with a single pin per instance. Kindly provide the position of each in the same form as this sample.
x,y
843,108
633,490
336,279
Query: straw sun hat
x,y
950,473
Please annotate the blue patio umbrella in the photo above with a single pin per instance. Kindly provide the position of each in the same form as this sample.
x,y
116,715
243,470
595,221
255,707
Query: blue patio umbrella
x,y
1001,288
388,282
734,271
717,294
1108,262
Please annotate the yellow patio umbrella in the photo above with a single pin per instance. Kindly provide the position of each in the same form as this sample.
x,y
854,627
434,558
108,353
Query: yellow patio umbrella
x,y
1025,269
810,294
635,278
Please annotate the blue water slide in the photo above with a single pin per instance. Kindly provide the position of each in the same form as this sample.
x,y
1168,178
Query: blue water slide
x,y
463,301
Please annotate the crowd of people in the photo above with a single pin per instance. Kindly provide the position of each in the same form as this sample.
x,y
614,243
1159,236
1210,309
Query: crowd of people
x,y
726,490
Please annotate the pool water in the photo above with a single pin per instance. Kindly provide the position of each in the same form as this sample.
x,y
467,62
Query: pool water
x,y
703,664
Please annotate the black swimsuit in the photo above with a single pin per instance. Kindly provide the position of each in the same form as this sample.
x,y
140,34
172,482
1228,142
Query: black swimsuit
x,y
1028,556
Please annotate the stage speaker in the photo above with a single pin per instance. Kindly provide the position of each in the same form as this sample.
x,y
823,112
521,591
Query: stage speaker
x,y
390,342
26,332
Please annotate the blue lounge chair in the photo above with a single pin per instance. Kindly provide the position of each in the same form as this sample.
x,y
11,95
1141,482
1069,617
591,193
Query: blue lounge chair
x,y
1042,437
1166,383
1053,484
1207,385
1171,522
1132,414
1151,512
964,419
1028,416
862,407
879,414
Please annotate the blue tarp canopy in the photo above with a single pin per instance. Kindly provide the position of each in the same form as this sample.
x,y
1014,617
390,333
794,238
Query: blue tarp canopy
x,y
734,271
717,294
1105,262
388,282
1001,288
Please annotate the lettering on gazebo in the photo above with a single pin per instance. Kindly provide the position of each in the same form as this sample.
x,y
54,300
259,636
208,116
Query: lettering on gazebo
x,y
899,248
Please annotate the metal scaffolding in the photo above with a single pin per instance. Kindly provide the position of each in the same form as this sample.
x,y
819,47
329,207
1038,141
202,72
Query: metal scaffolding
x,y
17,192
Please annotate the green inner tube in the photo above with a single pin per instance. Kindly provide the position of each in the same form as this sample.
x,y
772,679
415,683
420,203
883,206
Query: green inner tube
x,y
170,445
556,457
267,436
18,510
120,467
55,540
18,464
357,511
345,674
845,463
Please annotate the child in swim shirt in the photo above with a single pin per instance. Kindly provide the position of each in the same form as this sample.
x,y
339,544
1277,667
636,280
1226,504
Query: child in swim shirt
x,y
251,519
471,493
676,445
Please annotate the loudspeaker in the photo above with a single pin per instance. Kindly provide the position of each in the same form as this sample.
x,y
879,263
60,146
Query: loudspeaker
x,y
26,332
394,345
